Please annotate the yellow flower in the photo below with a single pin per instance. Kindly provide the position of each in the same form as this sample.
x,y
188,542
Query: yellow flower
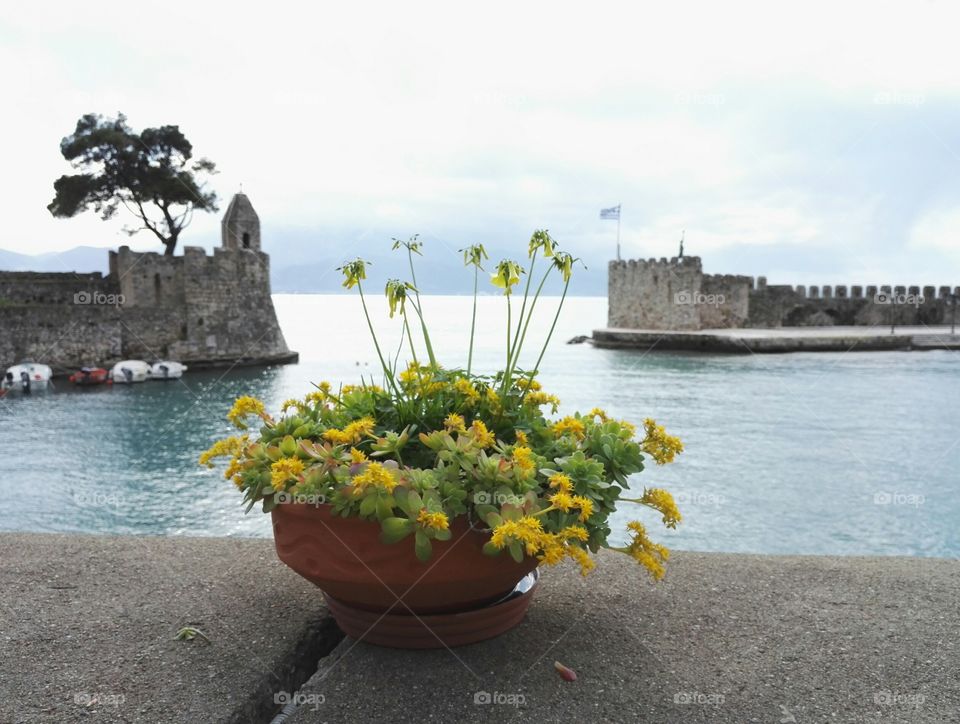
x,y
583,558
585,505
597,412
352,433
357,456
465,388
221,448
523,459
535,399
291,403
658,444
574,532
284,469
375,475
243,407
569,425
526,384
661,500
526,530
522,438
552,553
454,423
561,482
561,501
483,437
413,373
647,553
433,521
493,400
507,275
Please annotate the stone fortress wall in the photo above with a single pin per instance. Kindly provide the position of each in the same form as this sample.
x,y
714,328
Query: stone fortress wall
x,y
675,294
200,309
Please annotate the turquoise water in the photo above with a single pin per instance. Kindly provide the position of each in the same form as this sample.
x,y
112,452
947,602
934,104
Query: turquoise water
x,y
851,453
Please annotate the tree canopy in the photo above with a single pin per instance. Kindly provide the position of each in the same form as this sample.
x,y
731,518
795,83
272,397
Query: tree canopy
x,y
151,173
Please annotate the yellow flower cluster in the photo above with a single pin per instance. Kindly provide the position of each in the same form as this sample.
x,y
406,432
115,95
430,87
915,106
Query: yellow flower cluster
x,y
298,404
645,552
550,548
243,407
352,433
221,448
523,459
357,456
283,469
658,444
532,385
454,423
433,521
542,398
376,475
563,501
522,438
483,437
597,412
661,500
463,386
561,482
570,426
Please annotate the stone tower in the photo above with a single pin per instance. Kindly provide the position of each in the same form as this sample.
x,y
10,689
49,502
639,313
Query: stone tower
x,y
240,228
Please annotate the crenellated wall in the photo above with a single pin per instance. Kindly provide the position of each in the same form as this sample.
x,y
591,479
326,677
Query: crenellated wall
x,y
675,294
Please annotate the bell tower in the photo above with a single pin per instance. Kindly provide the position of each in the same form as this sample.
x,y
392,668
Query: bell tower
x,y
240,228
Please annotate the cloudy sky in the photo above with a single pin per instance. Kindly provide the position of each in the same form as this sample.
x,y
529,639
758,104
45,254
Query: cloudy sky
x,y
811,142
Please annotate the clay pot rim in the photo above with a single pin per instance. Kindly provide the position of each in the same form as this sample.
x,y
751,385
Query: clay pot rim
x,y
302,508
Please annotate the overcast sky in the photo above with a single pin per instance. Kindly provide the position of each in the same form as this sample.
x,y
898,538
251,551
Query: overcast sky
x,y
815,143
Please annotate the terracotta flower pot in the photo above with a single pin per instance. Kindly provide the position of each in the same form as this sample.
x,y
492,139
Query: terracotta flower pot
x,y
347,560
384,595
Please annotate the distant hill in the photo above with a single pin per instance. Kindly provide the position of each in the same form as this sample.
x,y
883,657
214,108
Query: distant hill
x,y
78,259
303,266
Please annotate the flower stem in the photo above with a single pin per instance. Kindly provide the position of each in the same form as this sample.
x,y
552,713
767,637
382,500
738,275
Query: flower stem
x,y
386,370
473,320
543,351
416,307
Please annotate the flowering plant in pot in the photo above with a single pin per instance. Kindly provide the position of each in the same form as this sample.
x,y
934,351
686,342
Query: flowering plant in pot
x,y
418,501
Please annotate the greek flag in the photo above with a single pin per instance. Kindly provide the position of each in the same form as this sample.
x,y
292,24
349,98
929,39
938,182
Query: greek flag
x,y
612,213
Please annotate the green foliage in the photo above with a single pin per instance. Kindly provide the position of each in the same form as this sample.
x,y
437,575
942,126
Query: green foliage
x,y
151,173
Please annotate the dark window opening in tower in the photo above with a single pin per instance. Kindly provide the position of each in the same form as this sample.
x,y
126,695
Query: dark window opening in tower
x,y
156,286
246,239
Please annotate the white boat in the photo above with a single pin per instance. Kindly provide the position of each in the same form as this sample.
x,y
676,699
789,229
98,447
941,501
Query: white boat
x,y
129,371
26,377
167,370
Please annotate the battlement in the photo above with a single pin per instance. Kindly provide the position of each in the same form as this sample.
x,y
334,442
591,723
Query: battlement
x,y
675,294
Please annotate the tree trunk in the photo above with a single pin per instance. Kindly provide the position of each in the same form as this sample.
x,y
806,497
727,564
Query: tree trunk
x,y
170,245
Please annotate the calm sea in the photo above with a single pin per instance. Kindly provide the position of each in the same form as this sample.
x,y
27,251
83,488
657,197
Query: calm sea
x,y
853,453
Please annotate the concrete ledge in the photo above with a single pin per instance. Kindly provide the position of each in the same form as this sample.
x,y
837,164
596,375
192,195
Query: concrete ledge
x,y
724,638
87,625
781,340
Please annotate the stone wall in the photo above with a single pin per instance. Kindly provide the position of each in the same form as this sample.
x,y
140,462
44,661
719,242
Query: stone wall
x,y
200,309
675,294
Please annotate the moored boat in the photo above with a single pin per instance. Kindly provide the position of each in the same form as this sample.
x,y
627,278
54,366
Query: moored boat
x,y
129,371
167,370
88,376
26,377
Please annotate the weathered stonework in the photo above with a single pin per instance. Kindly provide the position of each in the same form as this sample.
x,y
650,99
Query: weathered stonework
x,y
677,295
203,310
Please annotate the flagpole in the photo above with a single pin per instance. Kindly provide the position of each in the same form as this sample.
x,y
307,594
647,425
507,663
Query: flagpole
x,y
618,231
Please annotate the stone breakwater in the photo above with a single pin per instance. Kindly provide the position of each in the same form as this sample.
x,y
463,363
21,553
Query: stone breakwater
x,y
676,295
205,310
